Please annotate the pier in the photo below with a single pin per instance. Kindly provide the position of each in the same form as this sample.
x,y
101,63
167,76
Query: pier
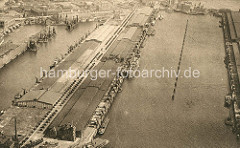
x,y
71,94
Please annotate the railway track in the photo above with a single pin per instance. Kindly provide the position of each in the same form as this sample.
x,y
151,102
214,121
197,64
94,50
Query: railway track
x,y
94,60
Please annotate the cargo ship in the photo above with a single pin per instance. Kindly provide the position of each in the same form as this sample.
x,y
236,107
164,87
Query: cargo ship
x,y
72,24
103,127
47,34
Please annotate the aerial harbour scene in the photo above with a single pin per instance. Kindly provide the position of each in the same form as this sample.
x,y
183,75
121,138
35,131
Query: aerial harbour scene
x,y
119,73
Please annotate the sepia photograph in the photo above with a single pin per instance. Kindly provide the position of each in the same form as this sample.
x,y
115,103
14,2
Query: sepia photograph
x,y
119,73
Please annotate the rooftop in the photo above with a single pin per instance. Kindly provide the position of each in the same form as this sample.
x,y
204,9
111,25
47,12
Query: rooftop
x,y
49,97
32,95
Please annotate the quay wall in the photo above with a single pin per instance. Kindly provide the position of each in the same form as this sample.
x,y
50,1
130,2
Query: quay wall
x,y
232,61
76,106
12,54
78,103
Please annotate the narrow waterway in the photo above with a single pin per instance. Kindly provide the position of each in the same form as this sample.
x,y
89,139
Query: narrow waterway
x,y
144,114
21,72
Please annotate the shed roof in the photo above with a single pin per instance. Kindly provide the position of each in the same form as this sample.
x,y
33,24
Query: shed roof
x,y
32,95
49,97
236,16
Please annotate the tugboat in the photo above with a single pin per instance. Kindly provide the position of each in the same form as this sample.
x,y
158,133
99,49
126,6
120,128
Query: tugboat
x,y
103,128
2,112
32,46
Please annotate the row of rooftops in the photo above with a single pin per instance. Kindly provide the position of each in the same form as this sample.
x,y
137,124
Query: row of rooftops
x,y
42,96
92,91
51,89
236,16
234,24
140,17
128,34
102,33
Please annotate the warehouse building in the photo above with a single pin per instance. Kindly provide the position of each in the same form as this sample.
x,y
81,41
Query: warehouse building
x,y
39,99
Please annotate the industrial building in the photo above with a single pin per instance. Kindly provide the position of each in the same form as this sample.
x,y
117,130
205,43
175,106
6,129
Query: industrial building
x,y
39,99
6,22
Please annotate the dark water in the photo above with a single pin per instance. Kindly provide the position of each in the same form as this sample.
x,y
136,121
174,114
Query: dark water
x,y
144,114
21,72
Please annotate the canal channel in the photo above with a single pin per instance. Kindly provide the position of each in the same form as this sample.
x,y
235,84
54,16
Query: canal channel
x,y
20,73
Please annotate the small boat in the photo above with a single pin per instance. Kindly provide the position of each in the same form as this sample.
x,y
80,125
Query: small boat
x,y
32,46
17,96
153,23
103,127
98,143
228,101
1,39
91,19
38,80
54,31
161,17
83,20
2,112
